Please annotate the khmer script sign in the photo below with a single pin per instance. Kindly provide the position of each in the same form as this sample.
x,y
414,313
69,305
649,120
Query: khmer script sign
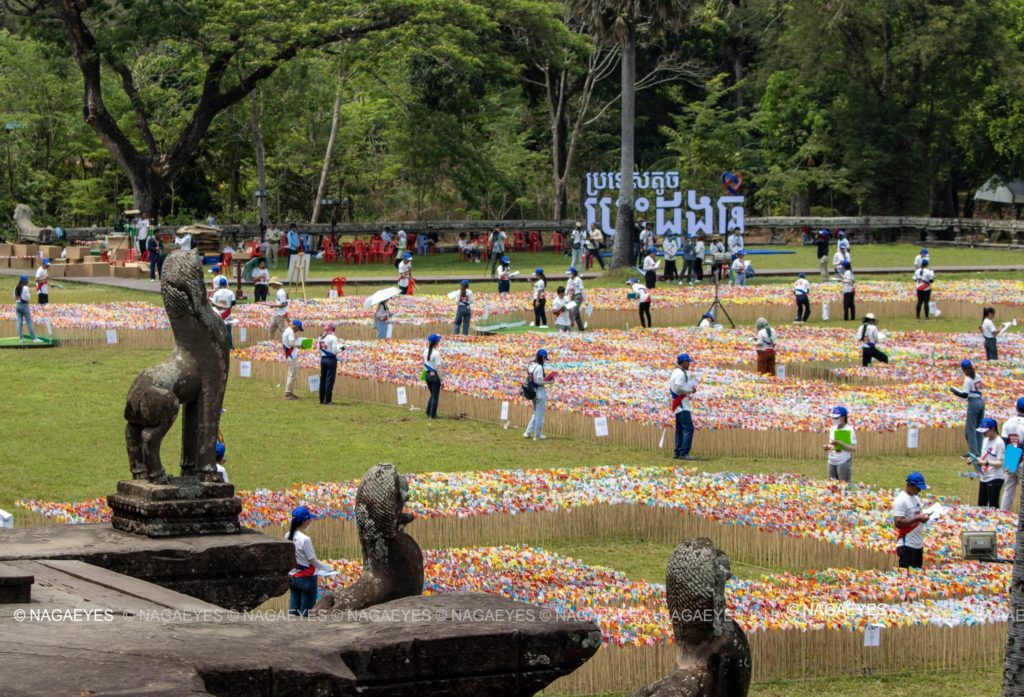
x,y
660,191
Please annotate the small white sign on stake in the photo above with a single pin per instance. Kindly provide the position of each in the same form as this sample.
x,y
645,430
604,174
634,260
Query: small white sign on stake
x,y
49,328
601,426
332,294
391,330
780,371
403,398
913,436
872,635
661,441
111,336
243,334
504,411
314,383
245,369
824,311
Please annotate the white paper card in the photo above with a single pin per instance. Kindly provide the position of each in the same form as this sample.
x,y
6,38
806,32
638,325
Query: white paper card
x,y
504,411
824,311
314,383
325,574
111,336
243,334
912,437
391,330
780,371
661,441
403,398
6,519
245,369
332,294
872,635
601,426
49,328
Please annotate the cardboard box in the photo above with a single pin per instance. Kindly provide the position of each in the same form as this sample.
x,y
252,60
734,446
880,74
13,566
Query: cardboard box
x,y
6,250
57,271
49,251
124,271
77,253
22,263
26,250
119,254
74,270
5,262
119,242
90,260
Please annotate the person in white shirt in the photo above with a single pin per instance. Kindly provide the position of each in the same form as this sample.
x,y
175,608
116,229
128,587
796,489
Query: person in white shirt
x,y
868,338
738,269
497,247
645,242
23,312
669,247
837,262
707,321
840,448
540,282
801,291
274,234
463,311
989,464
142,232
260,281
594,244
43,282
217,277
224,299
577,241
923,279
650,268
849,301
280,320
290,346
735,243
765,345
574,292
221,452
302,579
989,332
432,374
504,277
1013,434
843,243
681,387
643,298
972,392
909,521
184,242
563,319
535,374
919,258
329,348
698,259
405,273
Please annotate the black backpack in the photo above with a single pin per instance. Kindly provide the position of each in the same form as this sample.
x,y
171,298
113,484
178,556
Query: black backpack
x,y
529,388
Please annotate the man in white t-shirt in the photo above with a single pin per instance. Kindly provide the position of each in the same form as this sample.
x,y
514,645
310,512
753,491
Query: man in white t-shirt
x,y
184,242
842,443
43,282
404,272
681,386
909,521
223,300
1013,434
290,346
280,321
801,291
735,243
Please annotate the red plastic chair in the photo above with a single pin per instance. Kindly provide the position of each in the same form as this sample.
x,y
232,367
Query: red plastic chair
x,y
557,241
411,242
348,252
359,251
483,247
225,260
338,284
377,252
330,252
536,244
518,241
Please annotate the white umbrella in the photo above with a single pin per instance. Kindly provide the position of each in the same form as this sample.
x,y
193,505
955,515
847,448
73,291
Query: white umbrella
x,y
382,295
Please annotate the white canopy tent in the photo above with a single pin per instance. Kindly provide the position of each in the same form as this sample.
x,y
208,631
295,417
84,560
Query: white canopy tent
x,y
997,190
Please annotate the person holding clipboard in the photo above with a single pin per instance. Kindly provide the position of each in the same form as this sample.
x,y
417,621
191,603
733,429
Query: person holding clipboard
x,y
989,464
842,443
909,519
1013,434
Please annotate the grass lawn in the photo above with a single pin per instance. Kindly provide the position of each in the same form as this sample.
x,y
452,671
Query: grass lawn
x,y
75,292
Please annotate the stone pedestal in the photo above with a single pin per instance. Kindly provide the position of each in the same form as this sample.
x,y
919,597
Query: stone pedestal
x,y
182,506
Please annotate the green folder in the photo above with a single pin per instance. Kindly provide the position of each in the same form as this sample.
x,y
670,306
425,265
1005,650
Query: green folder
x,y
843,435
306,343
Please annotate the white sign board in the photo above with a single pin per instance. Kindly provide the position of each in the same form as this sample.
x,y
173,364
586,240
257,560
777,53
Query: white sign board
x,y
243,334
403,397
6,519
295,263
504,411
332,294
391,330
111,336
245,369
780,371
872,635
824,311
314,383
601,426
49,328
913,435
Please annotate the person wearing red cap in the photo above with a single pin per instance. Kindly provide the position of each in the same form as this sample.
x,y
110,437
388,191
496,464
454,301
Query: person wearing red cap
x,y
329,349
681,386
302,579
909,520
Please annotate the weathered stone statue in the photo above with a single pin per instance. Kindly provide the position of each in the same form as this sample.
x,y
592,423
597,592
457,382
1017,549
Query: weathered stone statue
x,y
27,230
193,378
392,561
713,657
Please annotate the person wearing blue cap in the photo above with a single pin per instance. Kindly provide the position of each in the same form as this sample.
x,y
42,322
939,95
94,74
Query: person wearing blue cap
x,y
909,520
849,284
43,282
223,301
738,269
540,315
504,277
574,291
821,250
302,579
405,273
22,312
221,451
842,443
290,346
650,268
801,291
1013,434
536,377
432,374
217,277
972,393
923,256
681,386
989,465
923,279
463,311
707,321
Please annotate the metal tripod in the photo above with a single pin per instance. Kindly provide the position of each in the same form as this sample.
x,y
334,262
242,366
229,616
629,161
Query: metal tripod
x,y
717,303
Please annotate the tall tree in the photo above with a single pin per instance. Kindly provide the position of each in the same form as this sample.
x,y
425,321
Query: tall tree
x,y
621,22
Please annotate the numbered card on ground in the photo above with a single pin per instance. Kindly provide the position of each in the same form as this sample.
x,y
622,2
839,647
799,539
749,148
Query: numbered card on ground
x,y
391,330
314,383
245,369
403,397
601,426
111,336
780,371
332,294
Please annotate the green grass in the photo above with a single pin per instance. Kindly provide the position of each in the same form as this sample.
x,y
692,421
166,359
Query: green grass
x,y
75,292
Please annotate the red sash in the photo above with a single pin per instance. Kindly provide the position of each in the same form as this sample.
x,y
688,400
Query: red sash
x,y
225,313
303,572
904,531
288,350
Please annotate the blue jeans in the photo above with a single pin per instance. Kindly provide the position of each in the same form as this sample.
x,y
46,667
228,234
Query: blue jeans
x,y
540,404
382,329
434,386
24,315
975,413
303,596
462,315
684,433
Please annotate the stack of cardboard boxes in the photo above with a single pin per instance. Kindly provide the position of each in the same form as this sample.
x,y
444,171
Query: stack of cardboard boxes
x,y
74,261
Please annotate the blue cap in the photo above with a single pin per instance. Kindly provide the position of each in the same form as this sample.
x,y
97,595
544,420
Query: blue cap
x,y
825,232
966,363
1020,404
24,279
302,514
653,250
924,262
297,323
464,282
543,353
841,233
846,264
434,338
407,256
214,269
223,283
46,262
504,260
538,270
631,281
741,253
801,275
917,479
572,269
221,449
684,358
924,251
839,411
985,424
708,315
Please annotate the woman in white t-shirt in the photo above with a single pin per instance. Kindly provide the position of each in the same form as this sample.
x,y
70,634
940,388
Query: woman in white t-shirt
x,y
432,373
842,443
535,374
302,579
989,465
989,331
23,313
765,346
972,392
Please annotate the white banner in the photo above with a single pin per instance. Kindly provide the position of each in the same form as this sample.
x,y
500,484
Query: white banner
x,y
504,411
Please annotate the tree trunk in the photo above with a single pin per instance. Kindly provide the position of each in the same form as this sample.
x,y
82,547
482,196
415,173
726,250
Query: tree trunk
x,y
322,188
622,253
559,132
1013,667
147,189
261,161
800,205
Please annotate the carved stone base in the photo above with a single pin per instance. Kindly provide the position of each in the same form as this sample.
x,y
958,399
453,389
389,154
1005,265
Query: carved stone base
x,y
182,506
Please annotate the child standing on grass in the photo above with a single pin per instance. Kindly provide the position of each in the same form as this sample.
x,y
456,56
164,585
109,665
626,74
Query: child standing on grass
x,y
842,443
989,464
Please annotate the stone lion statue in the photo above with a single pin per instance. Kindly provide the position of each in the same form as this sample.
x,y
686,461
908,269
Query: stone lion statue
x,y
193,378
392,561
27,231
713,658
